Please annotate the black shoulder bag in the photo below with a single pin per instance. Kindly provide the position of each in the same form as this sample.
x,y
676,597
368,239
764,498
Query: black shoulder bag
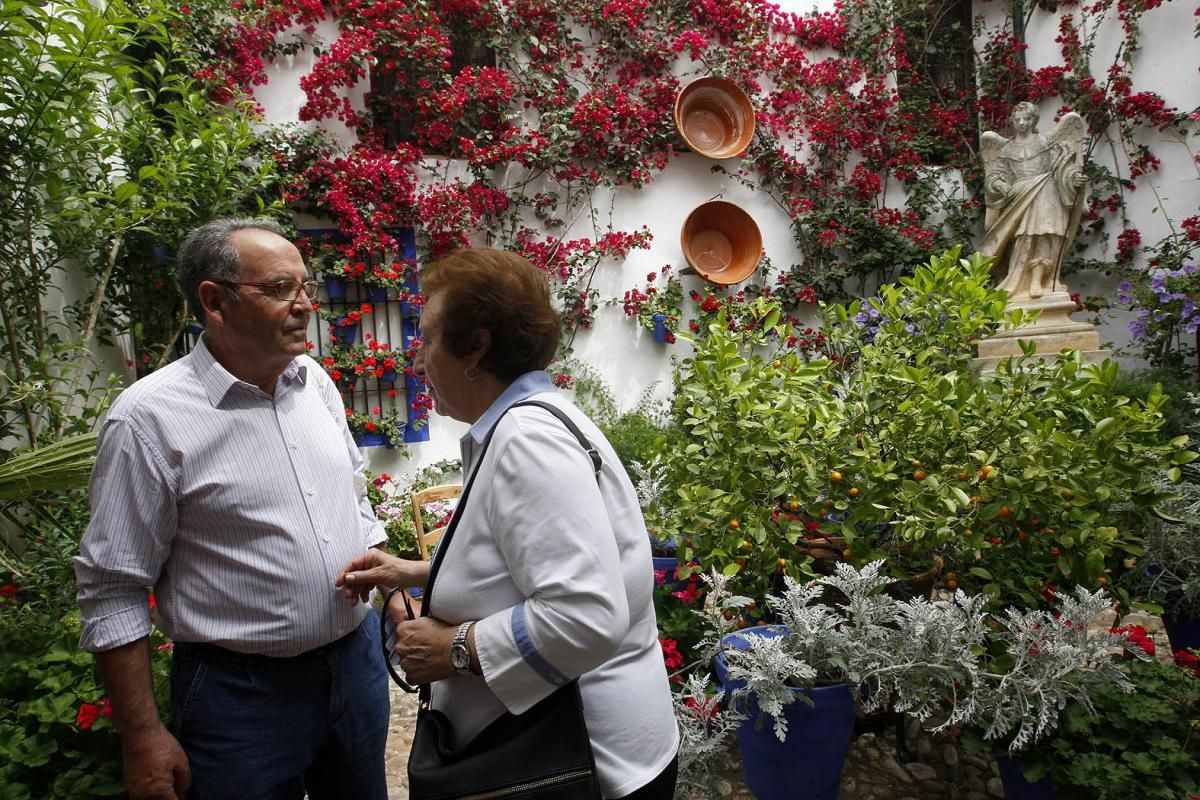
x,y
544,753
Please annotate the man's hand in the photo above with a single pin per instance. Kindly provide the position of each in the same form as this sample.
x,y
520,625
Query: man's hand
x,y
375,568
367,571
156,768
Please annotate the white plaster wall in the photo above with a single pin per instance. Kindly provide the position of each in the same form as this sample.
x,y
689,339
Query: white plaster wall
x,y
627,356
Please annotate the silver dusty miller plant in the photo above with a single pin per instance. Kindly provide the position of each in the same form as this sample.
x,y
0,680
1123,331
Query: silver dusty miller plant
x,y
929,659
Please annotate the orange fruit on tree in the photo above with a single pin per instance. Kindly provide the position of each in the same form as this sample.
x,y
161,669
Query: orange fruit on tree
x,y
920,475
962,476
1004,513
853,491
733,523
835,476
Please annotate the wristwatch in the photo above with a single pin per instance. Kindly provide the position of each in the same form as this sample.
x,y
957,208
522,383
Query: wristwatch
x,y
460,654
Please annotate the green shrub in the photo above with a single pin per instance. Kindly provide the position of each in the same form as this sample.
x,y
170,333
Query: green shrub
x,y
889,442
1142,744
1174,384
55,739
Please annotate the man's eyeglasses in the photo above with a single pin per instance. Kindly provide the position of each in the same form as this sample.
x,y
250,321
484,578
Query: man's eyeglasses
x,y
282,290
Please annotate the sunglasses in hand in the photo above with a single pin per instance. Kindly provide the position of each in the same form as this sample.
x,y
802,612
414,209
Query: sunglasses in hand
x,y
387,633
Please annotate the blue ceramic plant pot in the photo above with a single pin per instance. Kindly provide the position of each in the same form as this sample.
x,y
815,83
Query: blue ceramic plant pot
x,y
808,764
1182,632
372,440
335,287
1016,786
345,334
377,294
660,328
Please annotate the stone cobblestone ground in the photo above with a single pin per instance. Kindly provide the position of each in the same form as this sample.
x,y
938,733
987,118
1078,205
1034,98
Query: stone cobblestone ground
x,y
935,768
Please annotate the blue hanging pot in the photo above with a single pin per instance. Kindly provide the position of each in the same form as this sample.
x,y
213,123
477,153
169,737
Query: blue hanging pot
x,y
344,334
660,328
368,439
335,286
377,294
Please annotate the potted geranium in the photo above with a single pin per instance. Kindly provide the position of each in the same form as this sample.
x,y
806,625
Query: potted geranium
x,y
379,428
337,273
344,363
842,643
657,307
391,275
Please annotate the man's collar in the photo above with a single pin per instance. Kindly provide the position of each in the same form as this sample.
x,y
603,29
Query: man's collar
x,y
522,388
217,381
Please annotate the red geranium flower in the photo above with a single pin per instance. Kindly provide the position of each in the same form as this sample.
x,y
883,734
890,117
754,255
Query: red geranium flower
x,y
88,713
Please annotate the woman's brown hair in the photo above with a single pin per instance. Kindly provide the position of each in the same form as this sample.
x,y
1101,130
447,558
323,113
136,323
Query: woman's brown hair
x,y
502,293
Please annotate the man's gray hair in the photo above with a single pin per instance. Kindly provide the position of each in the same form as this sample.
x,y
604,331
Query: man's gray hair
x,y
207,254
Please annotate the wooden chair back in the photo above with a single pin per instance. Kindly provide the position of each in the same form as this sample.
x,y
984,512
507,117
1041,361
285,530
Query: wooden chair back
x,y
427,539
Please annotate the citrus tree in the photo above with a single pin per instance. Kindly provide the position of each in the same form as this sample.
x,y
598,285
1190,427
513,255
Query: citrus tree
x,y
887,445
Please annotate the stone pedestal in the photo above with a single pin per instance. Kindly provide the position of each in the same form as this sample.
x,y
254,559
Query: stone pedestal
x,y
1053,331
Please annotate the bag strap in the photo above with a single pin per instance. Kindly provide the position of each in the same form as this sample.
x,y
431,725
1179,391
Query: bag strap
x,y
443,544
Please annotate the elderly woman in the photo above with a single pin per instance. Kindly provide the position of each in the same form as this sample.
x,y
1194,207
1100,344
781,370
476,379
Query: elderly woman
x,y
548,575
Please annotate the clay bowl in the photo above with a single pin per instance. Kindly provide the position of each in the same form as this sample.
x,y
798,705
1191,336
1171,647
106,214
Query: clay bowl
x,y
714,117
721,242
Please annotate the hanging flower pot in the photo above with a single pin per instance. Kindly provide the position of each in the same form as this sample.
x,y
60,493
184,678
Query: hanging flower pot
x,y
335,286
344,333
660,328
372,439
715,117
721,242
377,294
808,764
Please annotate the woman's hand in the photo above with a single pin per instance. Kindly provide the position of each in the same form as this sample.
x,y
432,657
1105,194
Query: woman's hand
x,y
423,645
369,570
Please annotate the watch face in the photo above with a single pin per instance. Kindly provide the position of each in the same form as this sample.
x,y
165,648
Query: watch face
x,y
460,657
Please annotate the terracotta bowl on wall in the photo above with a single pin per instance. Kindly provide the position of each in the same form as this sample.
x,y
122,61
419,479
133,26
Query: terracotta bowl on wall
x,y
714,117
721,242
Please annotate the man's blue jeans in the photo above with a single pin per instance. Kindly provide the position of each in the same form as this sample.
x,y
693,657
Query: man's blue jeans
x,y
274,728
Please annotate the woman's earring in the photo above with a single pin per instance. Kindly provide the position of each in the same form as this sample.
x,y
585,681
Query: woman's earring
x,y
471,373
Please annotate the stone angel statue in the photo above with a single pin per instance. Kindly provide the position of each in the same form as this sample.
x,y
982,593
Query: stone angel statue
x,y
1033,187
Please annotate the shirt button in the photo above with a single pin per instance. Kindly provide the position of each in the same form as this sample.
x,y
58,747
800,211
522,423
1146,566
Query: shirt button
x,y
326,538
309,492
295,445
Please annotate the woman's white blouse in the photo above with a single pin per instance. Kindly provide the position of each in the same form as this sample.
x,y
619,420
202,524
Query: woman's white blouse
x,y
555,565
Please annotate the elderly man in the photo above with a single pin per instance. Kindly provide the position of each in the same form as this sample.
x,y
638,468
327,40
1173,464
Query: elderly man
x,y
229,482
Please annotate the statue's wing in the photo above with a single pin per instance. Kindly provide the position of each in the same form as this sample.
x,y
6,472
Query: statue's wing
x,y
991,143
1070,132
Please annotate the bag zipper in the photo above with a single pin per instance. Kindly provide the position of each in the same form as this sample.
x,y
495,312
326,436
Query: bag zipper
x,y
541,783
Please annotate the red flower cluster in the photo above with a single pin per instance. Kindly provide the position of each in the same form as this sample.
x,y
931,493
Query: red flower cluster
x,y
671,655
1137,635
90,712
